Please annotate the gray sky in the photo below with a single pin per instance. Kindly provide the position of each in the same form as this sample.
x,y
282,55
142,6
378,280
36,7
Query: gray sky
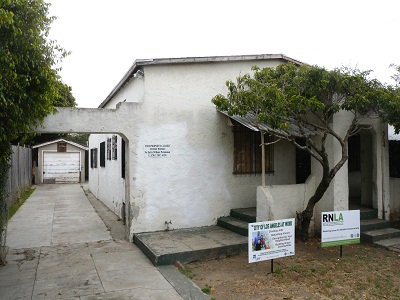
x,y
106,37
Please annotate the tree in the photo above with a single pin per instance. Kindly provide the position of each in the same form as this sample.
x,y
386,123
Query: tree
x,y
29,81
64,96
307,97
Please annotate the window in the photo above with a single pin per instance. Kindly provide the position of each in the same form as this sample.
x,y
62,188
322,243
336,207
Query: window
x,y
122,158
114,147
93,158
103,154
108,148
62,147
247,151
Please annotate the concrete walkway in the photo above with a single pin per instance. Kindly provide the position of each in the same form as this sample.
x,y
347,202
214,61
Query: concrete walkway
x,y
61,249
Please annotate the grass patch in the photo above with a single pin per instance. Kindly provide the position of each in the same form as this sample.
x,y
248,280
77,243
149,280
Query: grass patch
x,y
187,272
21,200
329,283
364,272
206,290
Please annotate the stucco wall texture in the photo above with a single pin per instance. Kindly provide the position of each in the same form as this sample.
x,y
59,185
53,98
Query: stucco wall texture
x,y
193,185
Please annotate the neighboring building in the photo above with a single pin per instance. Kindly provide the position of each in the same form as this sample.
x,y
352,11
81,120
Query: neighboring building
x,y
174,161
60,161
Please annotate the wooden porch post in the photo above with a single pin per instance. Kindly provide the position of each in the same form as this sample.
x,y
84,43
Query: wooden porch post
x,y
262,159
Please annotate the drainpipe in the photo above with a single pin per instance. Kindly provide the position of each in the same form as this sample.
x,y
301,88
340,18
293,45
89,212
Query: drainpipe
x,y
262,159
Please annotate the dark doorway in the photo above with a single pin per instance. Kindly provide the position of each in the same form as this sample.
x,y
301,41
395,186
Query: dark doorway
x,y
303,163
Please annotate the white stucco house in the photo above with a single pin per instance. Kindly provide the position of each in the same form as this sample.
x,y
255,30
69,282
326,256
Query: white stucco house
x,y
175,161
60,161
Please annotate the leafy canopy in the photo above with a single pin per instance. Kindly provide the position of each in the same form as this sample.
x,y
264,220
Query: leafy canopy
x,y
29,81
308,96
300,101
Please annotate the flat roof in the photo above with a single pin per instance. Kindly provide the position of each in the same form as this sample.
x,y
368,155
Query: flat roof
x,y
190,60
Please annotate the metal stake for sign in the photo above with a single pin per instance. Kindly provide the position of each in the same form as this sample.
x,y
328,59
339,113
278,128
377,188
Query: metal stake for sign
x,y
341,250
272,266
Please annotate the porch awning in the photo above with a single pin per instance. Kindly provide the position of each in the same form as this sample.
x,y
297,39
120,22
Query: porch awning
x,y
250,121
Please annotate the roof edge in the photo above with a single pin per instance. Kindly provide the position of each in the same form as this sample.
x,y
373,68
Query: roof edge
x,y
187,60
61,140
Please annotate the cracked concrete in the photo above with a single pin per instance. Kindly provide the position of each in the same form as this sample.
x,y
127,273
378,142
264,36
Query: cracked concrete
x,y
59,248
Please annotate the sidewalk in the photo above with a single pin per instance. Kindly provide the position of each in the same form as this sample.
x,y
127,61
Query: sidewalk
x,y
61,249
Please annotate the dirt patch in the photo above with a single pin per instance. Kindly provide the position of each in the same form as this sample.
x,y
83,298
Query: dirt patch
x,y
364,272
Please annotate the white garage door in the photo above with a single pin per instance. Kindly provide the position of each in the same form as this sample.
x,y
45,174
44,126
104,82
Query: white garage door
x,y
61,167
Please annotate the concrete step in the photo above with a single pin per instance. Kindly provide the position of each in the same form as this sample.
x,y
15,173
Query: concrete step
x,y
248,214
389,243
238,226
187,245
365,212
373,224
380,234
368,213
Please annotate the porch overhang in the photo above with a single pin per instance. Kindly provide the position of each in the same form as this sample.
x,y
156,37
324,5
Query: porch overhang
x,y
250,121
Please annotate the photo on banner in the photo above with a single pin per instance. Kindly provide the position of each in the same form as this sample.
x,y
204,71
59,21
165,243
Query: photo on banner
x,y
271,239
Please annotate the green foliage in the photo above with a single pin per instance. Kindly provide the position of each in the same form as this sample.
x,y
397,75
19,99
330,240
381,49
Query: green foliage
x,y
188,272
206,290
29,83
21,200
64,96
291,94
299,101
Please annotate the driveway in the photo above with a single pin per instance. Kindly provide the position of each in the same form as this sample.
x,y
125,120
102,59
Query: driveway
x,y
61,249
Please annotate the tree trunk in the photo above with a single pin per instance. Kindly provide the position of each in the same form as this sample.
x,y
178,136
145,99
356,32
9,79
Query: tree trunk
x,y
304,217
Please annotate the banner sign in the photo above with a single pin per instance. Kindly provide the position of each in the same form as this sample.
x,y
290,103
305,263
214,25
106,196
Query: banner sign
x,y
272,239
340,228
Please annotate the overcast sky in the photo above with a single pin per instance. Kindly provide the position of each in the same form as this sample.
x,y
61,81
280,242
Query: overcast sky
x,y
106,37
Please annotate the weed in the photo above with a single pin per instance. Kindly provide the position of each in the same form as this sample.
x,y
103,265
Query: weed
x,y
329,284
21,200
206,290
187,272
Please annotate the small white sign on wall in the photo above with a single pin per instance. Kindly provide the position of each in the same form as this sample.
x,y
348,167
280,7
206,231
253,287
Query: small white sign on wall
x,y
157,150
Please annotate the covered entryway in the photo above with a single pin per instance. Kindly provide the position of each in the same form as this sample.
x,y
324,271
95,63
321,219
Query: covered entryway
x,y
360,167
61,167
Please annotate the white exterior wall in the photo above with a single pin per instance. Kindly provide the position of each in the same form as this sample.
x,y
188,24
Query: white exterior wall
x,y
106,183
53,148
275,202
194,185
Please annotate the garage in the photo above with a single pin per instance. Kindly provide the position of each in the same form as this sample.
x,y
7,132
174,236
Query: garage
x,y
59,161
61,167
